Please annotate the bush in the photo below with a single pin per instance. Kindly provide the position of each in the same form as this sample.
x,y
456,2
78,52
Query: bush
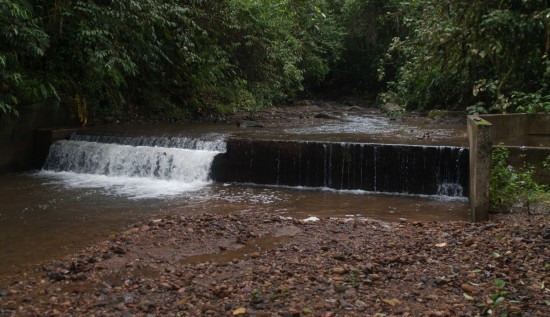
x,y
491,54
511,187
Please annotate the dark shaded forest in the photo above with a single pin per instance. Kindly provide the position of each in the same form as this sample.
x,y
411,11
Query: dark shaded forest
x,y
167,59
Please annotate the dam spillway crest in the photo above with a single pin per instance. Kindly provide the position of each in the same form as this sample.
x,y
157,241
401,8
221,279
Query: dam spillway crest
x,y
183,164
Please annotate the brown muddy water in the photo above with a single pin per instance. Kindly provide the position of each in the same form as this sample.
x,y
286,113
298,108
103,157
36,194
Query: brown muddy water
x,y
41,218
47,214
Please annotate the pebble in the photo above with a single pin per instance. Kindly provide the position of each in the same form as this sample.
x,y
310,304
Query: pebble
x,y
469,242
361,305
309,283
350,293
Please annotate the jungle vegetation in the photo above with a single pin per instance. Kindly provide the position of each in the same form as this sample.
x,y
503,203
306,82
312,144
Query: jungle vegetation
x,y
177,59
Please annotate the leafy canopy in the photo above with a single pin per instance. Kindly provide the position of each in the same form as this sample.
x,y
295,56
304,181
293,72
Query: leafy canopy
x,y
162,58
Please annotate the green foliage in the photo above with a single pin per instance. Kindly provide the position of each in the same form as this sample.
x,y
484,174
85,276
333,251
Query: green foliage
x,y
370,26
22,41
497,300
491,54
163,58
509,186
174,59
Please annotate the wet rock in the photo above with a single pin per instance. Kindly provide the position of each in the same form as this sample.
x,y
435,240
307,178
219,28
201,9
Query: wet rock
x,y
303,273
391,107
440,281
323,115
248,124
469,242
350,293
57,277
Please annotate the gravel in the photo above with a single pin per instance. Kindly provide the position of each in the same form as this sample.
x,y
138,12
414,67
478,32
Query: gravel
x,y
257,264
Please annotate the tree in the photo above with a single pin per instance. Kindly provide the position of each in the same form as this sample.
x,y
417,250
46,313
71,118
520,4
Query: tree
x,y
369,27
22,41
485,55
162,58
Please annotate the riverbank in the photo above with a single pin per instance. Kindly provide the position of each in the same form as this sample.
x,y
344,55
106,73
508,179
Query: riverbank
x,y
258,264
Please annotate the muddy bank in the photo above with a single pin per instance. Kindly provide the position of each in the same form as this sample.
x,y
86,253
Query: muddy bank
x,y
260,264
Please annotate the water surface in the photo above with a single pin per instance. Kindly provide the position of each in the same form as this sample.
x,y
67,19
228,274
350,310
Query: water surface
x,y
43,216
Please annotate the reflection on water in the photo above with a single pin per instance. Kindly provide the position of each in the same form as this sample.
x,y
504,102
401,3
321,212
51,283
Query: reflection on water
x,y
41,217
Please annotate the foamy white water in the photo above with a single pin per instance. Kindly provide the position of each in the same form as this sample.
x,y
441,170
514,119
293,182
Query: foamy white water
x,y
131,187
132,171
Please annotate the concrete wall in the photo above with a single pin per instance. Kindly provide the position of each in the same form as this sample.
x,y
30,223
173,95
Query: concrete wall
x,y
538,130
526,136
427,170
43,139
520,129
17,135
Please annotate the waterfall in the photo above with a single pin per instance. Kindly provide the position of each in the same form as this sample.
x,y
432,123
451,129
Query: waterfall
x,y
209,142
380,168
134,166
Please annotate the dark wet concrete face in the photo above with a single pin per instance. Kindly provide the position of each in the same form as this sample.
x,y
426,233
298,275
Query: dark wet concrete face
x,y
403,169
41,219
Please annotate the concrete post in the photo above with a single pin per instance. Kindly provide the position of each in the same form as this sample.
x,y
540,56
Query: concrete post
x,y
481,145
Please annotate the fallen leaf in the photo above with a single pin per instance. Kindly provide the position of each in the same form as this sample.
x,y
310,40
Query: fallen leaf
x,y
184,301
339,270
468,297
392,302
468,288
515,309
239,311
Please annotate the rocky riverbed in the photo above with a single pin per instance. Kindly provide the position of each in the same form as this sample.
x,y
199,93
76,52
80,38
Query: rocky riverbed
x,y
258,264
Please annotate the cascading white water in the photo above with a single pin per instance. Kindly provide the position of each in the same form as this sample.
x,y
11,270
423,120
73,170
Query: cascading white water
x,y
133,171
208,142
